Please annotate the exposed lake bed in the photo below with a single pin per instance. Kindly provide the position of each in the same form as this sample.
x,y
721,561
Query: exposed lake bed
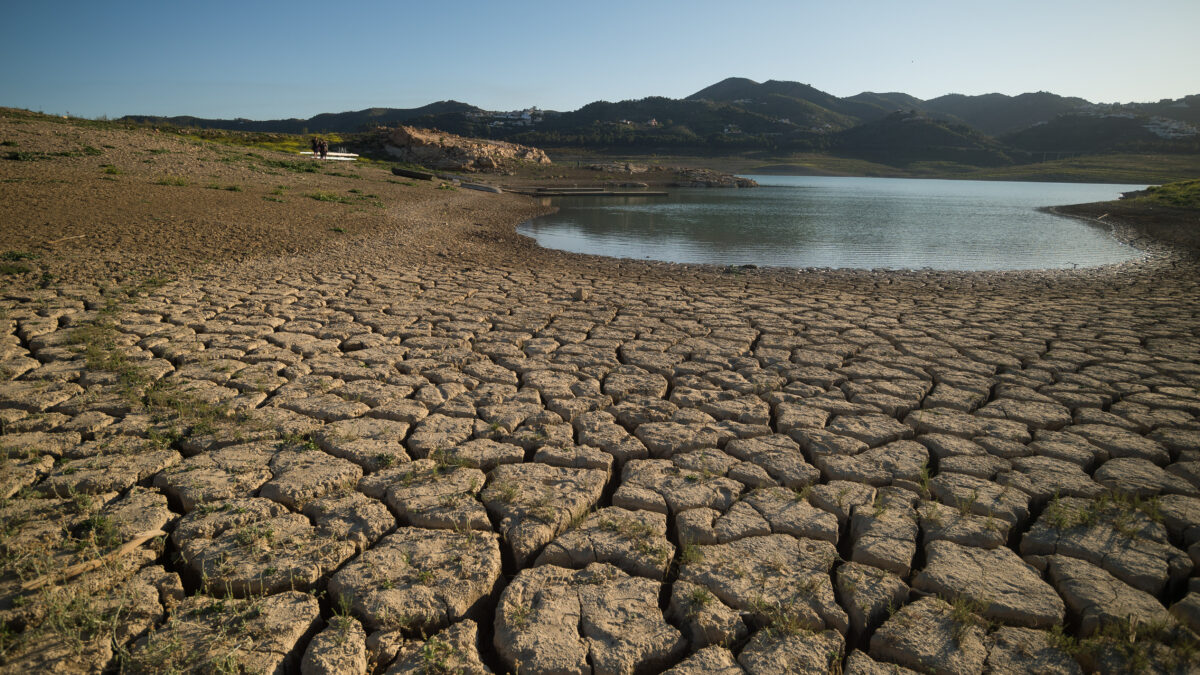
x,y
427,404
837,222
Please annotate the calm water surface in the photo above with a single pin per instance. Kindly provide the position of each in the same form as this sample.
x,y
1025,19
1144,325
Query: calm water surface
x,y
805,221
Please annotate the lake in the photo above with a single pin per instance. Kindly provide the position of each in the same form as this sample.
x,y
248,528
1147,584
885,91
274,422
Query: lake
x,y
864,223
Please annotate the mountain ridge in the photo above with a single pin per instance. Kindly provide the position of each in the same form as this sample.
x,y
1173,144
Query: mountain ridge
x,y
740,114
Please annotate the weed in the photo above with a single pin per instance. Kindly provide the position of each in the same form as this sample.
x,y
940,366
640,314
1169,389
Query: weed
x,y
110,169
698,600
337,229
690,554
323,196
177,181
967,612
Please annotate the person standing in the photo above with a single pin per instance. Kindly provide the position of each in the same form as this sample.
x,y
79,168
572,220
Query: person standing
x,y
324,147
316,146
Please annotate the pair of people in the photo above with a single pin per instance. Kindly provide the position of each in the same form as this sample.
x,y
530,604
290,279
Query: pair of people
x,y
320,147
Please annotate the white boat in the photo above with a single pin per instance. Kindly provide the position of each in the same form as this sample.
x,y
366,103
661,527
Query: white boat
x,y
336,156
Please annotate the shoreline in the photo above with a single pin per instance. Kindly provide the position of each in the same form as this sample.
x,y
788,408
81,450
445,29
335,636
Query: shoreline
x,y
372,393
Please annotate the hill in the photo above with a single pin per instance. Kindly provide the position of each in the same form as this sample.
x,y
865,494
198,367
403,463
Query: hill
x,y
903,138
739,115
997,114
343,122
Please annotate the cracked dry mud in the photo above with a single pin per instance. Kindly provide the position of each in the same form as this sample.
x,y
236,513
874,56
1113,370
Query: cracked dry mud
x,y
473,467
506,466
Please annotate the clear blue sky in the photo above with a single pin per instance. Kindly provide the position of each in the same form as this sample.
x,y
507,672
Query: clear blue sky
x,y
262,60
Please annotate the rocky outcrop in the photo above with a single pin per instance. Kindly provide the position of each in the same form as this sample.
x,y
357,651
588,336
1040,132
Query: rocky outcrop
x,y
438,150
710,178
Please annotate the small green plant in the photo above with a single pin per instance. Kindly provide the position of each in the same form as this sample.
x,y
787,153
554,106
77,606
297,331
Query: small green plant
x,y
519,616
322,196
690,554
177,181
337,229
110,169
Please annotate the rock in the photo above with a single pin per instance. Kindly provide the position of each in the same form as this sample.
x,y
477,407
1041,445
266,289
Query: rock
x,y
443,151
1187,611
671,486
127,462
840,497
453,650
1035,414
1096,598
1016,651
535,503
418,579
802,652
627,381
787,512
245,547
981,497
340,648
369,442
302,475
634,541
704,619
1142,477
1181,515
926,636
575,457
431,495
714,660
884,534
1004,587
438,432
872,429
774,578
1044,477
664,439
351,517
869,595
943,523
271,632
779,455
858,663
482,453
889,464
708,526
555,620
1113,535
231,472
1121,443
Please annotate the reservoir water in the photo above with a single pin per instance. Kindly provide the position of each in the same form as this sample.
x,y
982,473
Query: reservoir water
x,y
808,221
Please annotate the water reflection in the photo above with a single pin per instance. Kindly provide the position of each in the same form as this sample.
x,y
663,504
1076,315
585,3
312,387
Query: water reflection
x,y
843,222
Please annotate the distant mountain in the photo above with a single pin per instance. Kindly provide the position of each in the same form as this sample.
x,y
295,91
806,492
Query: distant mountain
x,y
905,137
998,114
1086,133
739,115
344,122
809,105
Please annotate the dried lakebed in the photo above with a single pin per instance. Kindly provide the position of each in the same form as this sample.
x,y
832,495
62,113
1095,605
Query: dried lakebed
x,y
607,469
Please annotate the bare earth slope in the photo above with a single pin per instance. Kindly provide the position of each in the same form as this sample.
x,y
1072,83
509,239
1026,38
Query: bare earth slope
x,y
423,444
